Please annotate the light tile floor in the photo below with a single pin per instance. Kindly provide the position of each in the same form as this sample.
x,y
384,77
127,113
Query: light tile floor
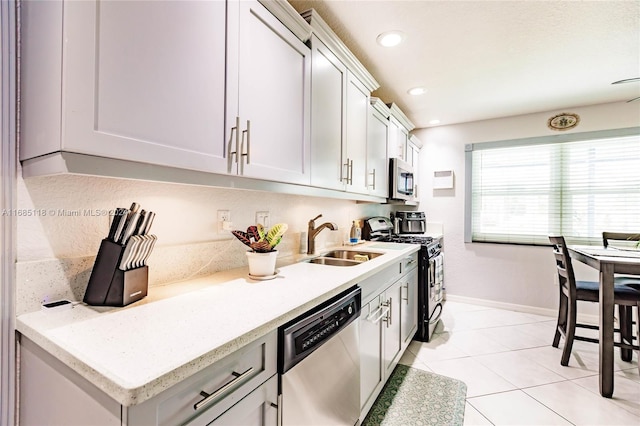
x,y
514,376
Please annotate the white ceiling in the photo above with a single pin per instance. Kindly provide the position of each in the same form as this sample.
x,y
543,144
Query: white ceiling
x,y
486,59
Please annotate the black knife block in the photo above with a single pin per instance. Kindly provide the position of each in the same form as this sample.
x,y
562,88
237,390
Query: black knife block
x,y
111,286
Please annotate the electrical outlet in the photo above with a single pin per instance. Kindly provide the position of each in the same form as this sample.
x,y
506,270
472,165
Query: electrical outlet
x,y
224,220
262,218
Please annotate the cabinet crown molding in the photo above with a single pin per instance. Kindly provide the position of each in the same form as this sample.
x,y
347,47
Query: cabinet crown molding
x,y
397,113
414,140
282,10
324,32
380,106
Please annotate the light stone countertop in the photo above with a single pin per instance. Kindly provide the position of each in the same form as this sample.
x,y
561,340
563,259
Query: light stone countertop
x,y
136,352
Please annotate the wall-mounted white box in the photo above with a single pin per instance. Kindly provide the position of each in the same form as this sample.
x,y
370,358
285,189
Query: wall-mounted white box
x,y
443,179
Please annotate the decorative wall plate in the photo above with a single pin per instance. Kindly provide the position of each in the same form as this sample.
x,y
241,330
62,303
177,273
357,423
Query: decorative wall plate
x,y
563,121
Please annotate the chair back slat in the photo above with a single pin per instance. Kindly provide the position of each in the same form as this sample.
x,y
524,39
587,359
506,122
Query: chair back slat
x,y
619,236
563,263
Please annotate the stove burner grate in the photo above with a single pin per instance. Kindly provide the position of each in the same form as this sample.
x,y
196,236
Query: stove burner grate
x,y
408,239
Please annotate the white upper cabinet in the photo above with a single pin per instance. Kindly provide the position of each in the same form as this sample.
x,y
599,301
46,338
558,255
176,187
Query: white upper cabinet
x,y
399,128
151,82
268,95
413,156
141,81
377,143
329,77
355,152
341,88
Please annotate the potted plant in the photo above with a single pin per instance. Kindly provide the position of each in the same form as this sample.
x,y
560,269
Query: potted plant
x,y
262,256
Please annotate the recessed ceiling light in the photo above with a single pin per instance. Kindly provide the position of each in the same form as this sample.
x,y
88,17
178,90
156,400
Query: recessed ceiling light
x,y
436,121
417,91
390,38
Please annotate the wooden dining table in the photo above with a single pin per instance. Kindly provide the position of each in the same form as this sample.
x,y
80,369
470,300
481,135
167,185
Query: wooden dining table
x,y
607,261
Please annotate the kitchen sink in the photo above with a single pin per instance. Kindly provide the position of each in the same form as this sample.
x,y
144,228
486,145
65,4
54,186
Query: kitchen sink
x,y
334,262
344,257
352,255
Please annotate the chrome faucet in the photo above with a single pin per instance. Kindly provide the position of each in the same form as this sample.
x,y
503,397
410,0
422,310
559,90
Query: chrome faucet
x,y
313,232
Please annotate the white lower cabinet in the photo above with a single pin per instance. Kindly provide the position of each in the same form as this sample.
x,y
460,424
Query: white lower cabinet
x,y
408,307
256,409
371,372
387,324
392,341
240,389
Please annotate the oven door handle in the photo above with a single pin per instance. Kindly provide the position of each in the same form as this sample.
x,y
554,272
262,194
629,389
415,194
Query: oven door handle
x,y
433,320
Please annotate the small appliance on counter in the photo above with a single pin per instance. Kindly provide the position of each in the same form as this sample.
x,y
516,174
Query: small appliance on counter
x,y
120,274
409,222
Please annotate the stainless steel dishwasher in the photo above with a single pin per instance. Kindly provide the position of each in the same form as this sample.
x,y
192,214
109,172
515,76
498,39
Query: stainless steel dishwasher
x,y
319,364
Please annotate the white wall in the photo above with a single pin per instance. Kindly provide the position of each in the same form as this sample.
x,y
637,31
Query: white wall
x,y
521,275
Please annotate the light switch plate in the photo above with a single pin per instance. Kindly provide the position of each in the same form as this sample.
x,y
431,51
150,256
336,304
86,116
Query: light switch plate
x,y
262,218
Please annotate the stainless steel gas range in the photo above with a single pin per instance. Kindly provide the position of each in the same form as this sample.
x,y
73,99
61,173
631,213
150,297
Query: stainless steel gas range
x,y
430,271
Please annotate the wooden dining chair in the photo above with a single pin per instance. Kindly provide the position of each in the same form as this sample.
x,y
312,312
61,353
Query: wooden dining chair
x,y
624,240
572,291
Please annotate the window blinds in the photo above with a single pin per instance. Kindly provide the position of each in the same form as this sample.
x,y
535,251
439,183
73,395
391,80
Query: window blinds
x,y
523,192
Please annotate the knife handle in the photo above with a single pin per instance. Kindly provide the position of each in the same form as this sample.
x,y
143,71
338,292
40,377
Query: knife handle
x,y
114,223
121,222
140,224
129,228
147,226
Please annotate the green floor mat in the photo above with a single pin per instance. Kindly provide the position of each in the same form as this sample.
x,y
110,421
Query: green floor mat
x,y
414,397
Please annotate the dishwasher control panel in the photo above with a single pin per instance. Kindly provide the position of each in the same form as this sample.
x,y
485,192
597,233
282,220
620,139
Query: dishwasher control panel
x,y
325,328
303,335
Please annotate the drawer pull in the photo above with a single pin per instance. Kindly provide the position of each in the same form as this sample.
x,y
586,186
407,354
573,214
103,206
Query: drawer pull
x,y
411,262
208,397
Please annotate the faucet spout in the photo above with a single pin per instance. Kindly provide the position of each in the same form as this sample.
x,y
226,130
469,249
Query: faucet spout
x,y
313,232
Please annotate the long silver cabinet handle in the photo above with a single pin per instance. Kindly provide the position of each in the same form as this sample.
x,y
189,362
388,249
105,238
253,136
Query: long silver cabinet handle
x,y
373,173
230,153
407,298
208,397
384,313
374,313
246,153
347,172
387,317
351,172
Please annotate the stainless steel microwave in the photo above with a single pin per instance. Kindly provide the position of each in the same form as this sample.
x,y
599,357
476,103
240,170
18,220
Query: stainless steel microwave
x,y
401,185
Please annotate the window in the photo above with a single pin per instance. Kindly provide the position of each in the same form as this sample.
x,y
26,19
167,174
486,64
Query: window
x,y
576,185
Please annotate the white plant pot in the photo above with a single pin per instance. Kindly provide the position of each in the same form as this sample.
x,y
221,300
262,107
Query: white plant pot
x,y
262,264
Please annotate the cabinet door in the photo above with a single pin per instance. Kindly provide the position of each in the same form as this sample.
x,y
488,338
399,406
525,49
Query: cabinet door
x,y
256,409
398,139
409,307
356,141
268,88
371,369
392,337
413,153
328,86
377,159
410,154
144,81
